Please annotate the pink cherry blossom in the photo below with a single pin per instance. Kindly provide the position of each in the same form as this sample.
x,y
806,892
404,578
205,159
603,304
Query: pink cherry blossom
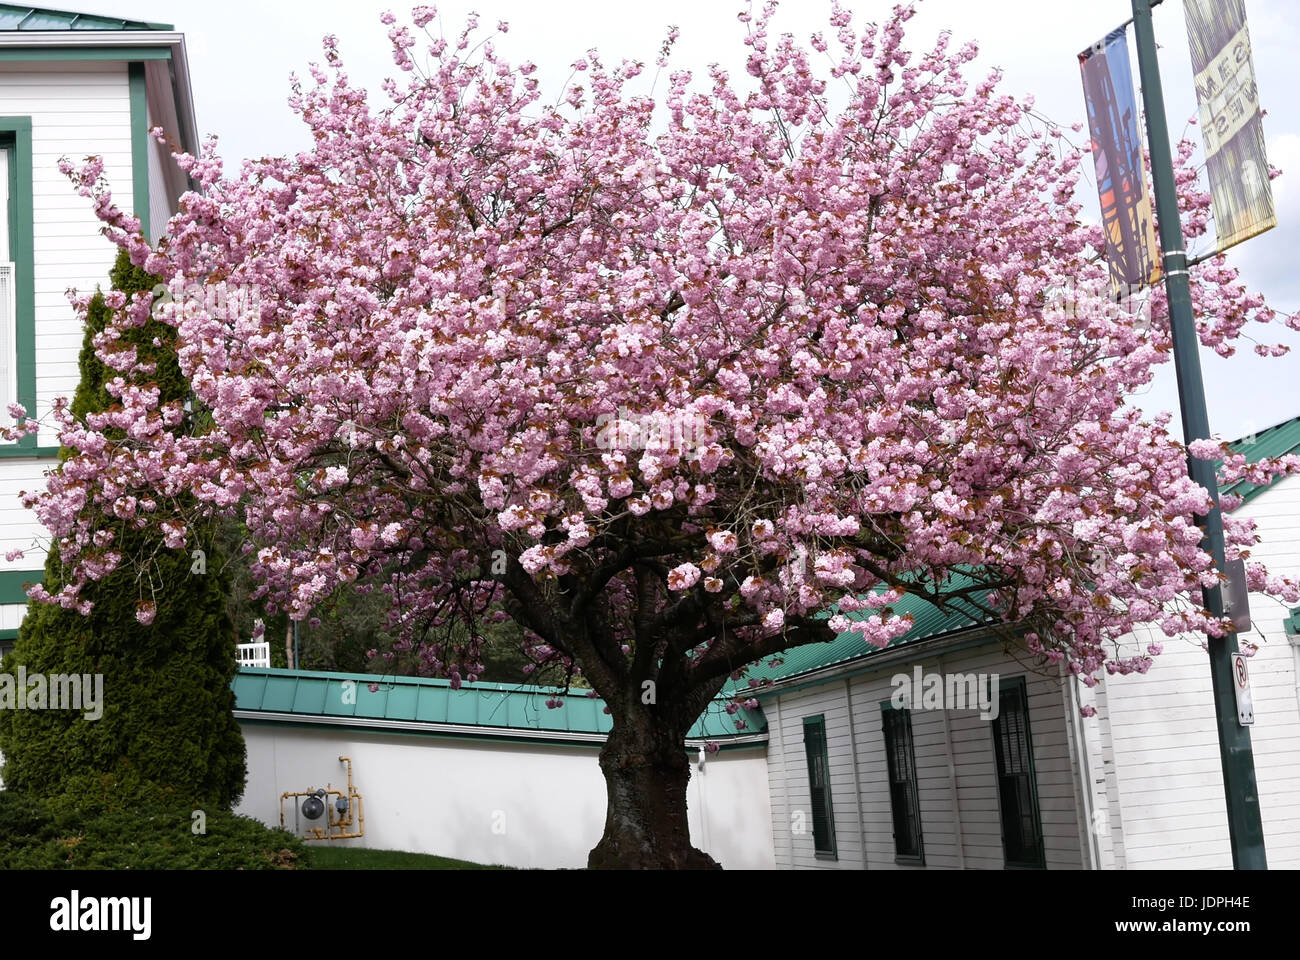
x,y
823,297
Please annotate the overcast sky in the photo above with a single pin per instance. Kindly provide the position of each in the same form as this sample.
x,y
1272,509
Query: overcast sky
x,y
242,52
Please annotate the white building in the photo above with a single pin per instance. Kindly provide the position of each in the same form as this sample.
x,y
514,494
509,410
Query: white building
x,y
1155,737
830,775
71,85
487,773
855,783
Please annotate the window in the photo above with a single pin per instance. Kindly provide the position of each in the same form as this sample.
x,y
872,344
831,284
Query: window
x,y
1022,830
908,847
17,290
6,165
8,306
819,785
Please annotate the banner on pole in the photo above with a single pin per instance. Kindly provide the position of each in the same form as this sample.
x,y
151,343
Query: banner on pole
x,y
1231,127
1131,248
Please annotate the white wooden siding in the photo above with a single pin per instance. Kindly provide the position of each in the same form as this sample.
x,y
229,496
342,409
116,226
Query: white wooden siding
x,y
11,615
968,737
77,109
1166,746
19,528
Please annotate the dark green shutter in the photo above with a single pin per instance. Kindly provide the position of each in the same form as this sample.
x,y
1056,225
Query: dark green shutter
x,y
819,785
1022,829
903,800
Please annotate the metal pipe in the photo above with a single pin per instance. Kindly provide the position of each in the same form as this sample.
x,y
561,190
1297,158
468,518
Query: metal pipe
x,y
1245,828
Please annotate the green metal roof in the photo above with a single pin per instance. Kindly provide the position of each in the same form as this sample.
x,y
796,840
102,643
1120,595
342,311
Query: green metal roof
x,y
17,17
1276,441
928,622
498,709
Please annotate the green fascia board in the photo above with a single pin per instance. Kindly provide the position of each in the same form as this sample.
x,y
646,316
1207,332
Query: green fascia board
x,y
1277,441
19,17
491,706
22,240
15,52
508,735
12,584
726,746
139,146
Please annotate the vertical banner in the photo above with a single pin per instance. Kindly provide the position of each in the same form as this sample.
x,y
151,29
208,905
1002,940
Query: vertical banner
x,y
1131,247
1231,127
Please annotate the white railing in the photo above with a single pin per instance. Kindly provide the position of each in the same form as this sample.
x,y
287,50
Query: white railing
x,y
253,654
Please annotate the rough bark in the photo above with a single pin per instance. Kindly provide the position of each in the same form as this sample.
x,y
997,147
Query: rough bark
x,y
646,771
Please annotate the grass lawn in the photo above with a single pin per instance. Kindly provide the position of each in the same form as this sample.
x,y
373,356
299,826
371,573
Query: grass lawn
x,y
358,858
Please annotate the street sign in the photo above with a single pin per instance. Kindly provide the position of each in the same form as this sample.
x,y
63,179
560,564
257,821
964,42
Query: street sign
x,y
1241,684
1236,596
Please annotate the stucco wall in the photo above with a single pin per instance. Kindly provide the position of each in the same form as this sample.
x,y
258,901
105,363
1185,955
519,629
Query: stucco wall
x,y
495,802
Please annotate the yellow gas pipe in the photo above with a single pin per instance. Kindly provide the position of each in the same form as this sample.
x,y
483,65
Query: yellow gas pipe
x,y
342,822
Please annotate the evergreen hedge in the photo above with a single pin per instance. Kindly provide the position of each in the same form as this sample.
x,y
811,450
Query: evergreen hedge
x,y
167,729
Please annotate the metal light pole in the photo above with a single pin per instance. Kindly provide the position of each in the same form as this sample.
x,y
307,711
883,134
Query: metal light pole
x,y
1245,831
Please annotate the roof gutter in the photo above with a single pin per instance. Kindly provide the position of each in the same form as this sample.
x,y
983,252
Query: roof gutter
x,y
91,38
184,96
125,40
469,730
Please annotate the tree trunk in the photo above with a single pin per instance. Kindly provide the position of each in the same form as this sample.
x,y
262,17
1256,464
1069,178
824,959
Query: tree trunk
x,y
646,772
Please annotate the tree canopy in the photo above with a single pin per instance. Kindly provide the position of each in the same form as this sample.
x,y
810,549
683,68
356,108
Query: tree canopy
x,y
668,378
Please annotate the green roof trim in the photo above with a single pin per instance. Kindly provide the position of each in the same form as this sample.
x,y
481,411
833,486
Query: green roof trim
x,y
19,17
928,622
13,584
1292,623
140,146
508,710
1277,441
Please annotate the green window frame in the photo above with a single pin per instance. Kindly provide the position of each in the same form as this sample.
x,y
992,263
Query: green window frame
x,y
1013,748
904,801
16,136
819,787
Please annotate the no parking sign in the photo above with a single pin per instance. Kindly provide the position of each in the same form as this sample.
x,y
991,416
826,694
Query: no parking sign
x,y
1241,684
